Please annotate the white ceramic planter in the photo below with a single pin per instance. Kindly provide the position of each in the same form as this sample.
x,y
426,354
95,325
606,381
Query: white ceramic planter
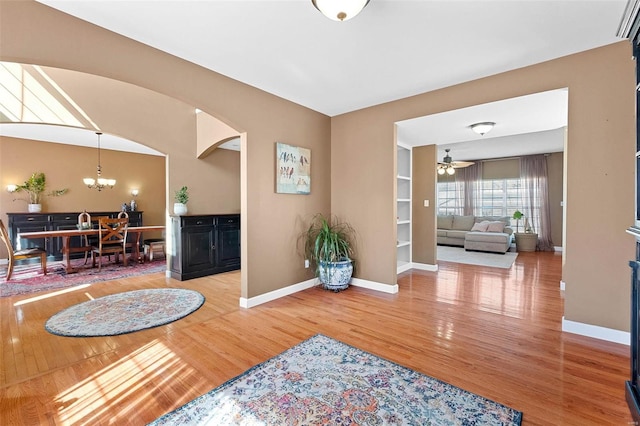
x,y
35,208
336,275
179,209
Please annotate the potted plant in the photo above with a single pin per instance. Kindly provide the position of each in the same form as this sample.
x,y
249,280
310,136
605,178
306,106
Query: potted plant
x,y
517,215
328,244
181,199
35,187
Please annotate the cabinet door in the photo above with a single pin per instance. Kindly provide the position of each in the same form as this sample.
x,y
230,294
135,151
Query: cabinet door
x,y
30,223
198,248
228,245
65,222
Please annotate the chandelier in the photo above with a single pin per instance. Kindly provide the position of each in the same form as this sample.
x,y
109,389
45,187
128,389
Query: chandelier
x,y
100,182
340,10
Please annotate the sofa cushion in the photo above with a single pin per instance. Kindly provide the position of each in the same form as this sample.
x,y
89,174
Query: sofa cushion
x,y
496,226
463,223
457,234
480,226
488,237
505,219
445,221
442,232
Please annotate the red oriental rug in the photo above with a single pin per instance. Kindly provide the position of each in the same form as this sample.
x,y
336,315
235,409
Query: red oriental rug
x,y
28,278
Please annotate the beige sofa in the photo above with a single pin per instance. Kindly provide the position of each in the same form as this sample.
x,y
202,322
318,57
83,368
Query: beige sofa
x,y
482,233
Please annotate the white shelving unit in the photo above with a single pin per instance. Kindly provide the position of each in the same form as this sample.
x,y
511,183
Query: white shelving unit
x,y
403,201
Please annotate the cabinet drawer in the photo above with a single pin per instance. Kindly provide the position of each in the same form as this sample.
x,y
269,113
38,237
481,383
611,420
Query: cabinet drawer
x,y
36,218
227,220
197,221
70,218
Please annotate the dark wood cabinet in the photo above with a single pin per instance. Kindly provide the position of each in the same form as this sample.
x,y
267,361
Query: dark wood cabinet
x,y
630,28
204,245
32,222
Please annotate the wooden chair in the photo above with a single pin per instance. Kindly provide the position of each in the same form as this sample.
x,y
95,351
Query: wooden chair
x,y
84,222
112,240
21,254
128,245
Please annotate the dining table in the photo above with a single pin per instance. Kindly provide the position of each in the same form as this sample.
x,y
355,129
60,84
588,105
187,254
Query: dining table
x,y
66,236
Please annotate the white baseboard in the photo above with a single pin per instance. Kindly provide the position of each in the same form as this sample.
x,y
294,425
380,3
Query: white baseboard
x,y
562,285
597,332
167,273
425,267
558,248
4,261
385,288
294,288
277,294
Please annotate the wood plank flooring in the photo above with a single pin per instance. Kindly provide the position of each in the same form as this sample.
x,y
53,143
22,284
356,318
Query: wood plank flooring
x,y
494,332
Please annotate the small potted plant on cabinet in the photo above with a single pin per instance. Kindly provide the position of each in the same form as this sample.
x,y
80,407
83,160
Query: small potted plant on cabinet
x,y
35,187
181,199
328,244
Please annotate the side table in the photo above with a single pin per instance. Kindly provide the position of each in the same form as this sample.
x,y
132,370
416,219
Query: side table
x,y
526,241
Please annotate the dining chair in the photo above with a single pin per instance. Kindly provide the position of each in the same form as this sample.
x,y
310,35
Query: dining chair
x,y
128,245
112,239
27,253
84,222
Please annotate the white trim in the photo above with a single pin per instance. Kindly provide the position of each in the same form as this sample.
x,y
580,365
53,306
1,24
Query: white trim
x,y
167,273
558,248
277,294
385,288
597,332
424,267
4,262
404,267
562,285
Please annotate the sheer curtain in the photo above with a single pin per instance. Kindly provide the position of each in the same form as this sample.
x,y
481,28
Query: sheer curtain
x,y
535,196
470,178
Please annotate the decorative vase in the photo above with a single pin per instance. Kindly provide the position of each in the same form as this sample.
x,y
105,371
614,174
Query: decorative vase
x,y
179,209
335,275
35,208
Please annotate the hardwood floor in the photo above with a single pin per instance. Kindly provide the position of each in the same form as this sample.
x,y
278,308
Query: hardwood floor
x,y
490,331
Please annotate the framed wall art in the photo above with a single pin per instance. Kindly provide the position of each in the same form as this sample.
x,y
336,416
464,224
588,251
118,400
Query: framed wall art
x,y
293,169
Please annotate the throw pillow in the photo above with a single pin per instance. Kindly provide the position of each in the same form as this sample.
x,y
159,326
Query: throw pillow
x,y
480,227
495,227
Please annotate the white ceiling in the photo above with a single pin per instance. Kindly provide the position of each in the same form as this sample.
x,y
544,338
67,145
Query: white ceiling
x,y
393,49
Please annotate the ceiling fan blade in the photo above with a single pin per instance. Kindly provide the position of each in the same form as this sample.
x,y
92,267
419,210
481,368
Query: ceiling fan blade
x,y
461,164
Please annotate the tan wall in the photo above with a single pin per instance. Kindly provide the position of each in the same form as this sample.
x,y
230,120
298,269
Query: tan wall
x,y
64,167
601,104
168,125
423,219
555,178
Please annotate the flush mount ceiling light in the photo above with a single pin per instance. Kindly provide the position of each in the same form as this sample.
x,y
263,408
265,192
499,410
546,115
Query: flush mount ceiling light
x,y
482,128
101,182
340,10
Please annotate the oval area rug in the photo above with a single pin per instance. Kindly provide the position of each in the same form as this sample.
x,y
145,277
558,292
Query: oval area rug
x,y
126,312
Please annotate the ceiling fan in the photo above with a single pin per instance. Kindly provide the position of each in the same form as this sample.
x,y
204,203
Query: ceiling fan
x,y
448,166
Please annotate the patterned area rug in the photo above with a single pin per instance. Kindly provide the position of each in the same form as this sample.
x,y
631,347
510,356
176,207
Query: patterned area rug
x,y
324,381
126,312
28,278
460,255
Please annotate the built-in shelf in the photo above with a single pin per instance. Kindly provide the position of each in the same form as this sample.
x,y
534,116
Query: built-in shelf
x,y
403,206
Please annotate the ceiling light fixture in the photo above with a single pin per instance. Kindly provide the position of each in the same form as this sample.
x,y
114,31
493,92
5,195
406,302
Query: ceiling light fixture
x,y
447,165
482,128
101,182
340,10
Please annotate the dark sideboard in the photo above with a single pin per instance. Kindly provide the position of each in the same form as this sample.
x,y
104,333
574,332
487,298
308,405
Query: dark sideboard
x,y
204,245
33,222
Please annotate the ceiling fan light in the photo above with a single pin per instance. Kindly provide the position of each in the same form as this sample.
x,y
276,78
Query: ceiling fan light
x,y
340,10
450,170
482,128
441,170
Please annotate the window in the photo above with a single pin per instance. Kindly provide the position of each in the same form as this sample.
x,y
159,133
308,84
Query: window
x,y
498,197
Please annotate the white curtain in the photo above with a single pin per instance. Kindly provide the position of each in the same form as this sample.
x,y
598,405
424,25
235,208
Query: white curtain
x,y
535,196
470,179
